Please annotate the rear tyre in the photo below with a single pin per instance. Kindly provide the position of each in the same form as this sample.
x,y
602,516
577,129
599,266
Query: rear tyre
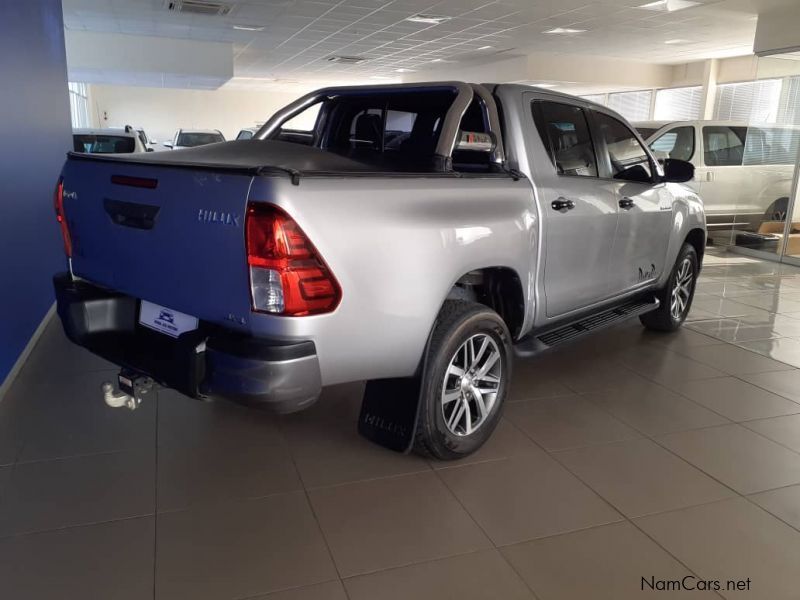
x,y
676,298
467,377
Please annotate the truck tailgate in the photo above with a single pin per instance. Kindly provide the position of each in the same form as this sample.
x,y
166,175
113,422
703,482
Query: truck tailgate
x,y
173,236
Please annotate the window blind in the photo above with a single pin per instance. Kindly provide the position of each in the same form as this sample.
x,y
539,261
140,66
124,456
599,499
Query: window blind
x,y
79,104
678,104
748,102
634,106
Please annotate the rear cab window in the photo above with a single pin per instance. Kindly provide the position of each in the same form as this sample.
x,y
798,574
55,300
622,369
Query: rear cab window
x,y
191,140
564,130
103,144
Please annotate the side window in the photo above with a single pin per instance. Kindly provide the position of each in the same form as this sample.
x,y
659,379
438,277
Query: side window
x,y
565,133
771,146
724,146
244,135
676,143
629,160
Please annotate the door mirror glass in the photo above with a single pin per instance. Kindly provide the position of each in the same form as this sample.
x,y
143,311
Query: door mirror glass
x,y
678,171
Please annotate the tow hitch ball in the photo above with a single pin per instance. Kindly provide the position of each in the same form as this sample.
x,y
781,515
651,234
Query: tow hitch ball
x,y
132,387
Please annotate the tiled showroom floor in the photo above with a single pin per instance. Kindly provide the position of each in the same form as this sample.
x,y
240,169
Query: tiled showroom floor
x,y
625,456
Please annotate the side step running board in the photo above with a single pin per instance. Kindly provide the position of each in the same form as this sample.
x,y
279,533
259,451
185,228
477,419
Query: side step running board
x,y
541,342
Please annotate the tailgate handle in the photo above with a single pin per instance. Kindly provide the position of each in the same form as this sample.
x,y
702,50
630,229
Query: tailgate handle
x,y
130,214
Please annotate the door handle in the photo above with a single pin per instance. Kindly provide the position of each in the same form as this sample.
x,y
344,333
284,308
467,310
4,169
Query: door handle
x,y
626,203
563,204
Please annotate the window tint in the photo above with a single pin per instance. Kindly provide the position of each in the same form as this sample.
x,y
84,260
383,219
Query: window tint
x,y
103,144
629,160
771,146
565,133
676,143
191,140
724,146
646,132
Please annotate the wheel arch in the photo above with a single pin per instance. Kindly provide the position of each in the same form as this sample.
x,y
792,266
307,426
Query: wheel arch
x,y
697,239
499,288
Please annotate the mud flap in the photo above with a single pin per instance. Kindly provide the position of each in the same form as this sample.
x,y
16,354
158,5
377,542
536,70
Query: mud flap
x,y
389,412
390,408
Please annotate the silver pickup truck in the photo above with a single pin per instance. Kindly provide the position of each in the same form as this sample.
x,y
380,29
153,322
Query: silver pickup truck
x,y
417,238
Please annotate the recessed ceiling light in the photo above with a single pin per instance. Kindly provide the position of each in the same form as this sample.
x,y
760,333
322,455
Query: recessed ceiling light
x,y
677,41
429,19
403,70
564,30
348,60
669,5
485,47
248,28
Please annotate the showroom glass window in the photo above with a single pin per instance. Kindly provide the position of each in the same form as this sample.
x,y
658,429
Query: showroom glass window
x,y
565,133
676,143
629,160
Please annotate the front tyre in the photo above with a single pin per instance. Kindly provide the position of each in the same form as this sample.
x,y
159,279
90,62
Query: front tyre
x,y
676,298
467,377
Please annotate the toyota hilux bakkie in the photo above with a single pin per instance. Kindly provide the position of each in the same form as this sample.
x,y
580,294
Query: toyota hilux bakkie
x,y
418,237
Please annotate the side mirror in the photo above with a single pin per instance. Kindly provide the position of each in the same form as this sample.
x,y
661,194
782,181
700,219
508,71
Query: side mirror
x,y
678,171
168,145
149,150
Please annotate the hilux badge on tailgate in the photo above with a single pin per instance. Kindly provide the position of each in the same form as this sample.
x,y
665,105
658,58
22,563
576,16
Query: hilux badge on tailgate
x,y
213,216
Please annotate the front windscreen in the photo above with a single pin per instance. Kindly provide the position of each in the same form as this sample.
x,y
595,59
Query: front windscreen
x,y
190,140
103,144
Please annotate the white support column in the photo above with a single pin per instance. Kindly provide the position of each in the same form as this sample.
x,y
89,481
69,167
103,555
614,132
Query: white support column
x,y
710,73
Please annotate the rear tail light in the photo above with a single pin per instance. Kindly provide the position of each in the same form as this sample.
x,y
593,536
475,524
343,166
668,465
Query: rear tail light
x,y
58,202
287,273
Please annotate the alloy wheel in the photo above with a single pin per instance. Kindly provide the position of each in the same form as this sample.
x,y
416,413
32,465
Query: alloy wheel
x,y
682,290
471,383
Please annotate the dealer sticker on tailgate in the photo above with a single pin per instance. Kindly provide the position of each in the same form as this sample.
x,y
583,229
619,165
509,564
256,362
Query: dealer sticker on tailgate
x,y
165,320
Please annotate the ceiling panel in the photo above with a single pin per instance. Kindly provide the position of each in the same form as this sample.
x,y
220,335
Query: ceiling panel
x,y
299,36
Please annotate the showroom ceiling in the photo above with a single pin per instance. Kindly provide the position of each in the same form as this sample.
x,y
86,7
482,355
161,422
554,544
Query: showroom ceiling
x,y
308,40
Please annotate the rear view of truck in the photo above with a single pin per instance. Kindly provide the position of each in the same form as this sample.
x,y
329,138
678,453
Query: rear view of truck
x,y
167,262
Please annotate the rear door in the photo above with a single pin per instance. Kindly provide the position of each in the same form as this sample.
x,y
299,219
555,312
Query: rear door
x,y
579,210
645,217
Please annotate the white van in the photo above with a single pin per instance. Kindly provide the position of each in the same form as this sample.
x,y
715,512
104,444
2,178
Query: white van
x,y
743,172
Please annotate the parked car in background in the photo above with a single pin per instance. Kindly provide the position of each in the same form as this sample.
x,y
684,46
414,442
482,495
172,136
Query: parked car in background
x,y
191,138
246,133
148,142
743,172
107,141
505,219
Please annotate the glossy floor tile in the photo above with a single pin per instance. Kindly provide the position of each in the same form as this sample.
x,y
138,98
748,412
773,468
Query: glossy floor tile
x,y
627,457
602,563
733,540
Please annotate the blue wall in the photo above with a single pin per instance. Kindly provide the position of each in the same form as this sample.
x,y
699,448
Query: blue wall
x,y
35,122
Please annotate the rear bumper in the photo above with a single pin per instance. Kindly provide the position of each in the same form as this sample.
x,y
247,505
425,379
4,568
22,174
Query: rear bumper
x,y
211,362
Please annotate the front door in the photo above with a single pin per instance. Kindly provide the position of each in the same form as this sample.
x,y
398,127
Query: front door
x,y
645,218
578,209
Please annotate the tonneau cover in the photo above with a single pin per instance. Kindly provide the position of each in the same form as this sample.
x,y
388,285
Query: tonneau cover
x,y
245,155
